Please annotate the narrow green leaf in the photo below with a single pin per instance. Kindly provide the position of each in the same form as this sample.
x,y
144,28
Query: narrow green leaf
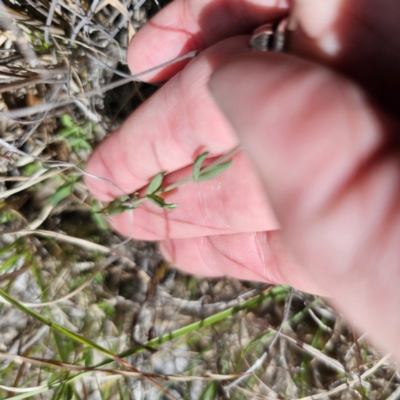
x,y
79,143
97,214
72,335
69,395
159,202
62,193
75,142
60,345
116,206
197,165
210,392
155,183
205,176
66,132
170,206
10,262
6,248
100,221
115,210
66,120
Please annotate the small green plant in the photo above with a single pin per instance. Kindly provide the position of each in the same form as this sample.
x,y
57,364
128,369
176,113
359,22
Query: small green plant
x,y
75,135
31,168
155,188
65,190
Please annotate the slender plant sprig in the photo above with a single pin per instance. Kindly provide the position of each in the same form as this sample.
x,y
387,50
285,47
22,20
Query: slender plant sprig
x,y
154,189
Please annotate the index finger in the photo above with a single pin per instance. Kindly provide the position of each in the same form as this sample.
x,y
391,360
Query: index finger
x,y
187,25
168,131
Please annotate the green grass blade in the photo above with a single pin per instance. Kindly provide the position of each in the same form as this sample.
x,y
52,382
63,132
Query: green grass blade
x,y
270,294
55,326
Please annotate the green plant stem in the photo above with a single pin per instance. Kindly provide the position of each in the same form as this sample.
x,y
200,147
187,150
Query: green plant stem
x,y
268,294
220,160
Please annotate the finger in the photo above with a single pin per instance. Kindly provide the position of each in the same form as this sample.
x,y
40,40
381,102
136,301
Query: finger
x,y
358,39
168,131
187,25
233,201
259,256
332,176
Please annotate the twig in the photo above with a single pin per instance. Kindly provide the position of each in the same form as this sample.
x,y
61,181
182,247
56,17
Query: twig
x,y
127,374
113,85
29,111
346,385
84,21
50,14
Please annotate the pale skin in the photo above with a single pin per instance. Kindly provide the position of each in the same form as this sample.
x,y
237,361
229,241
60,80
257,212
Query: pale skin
x,y
313,200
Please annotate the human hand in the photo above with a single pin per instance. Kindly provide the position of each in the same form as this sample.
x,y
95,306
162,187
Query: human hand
x,y
326,154
214,219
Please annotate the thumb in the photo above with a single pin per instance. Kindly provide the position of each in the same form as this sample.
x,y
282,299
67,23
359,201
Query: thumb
x,y
319,147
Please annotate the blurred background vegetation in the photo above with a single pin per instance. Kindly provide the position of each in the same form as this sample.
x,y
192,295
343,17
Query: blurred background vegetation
x,y
84,314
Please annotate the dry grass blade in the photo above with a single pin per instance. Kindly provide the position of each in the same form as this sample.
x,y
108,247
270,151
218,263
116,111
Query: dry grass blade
x,y
22,390
319,322
42,176
12,275
328,361
113,85
260,361
395,395
197,308
346,385
56,164
6,20
123,10
43,215
49,20
126,374
86,244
